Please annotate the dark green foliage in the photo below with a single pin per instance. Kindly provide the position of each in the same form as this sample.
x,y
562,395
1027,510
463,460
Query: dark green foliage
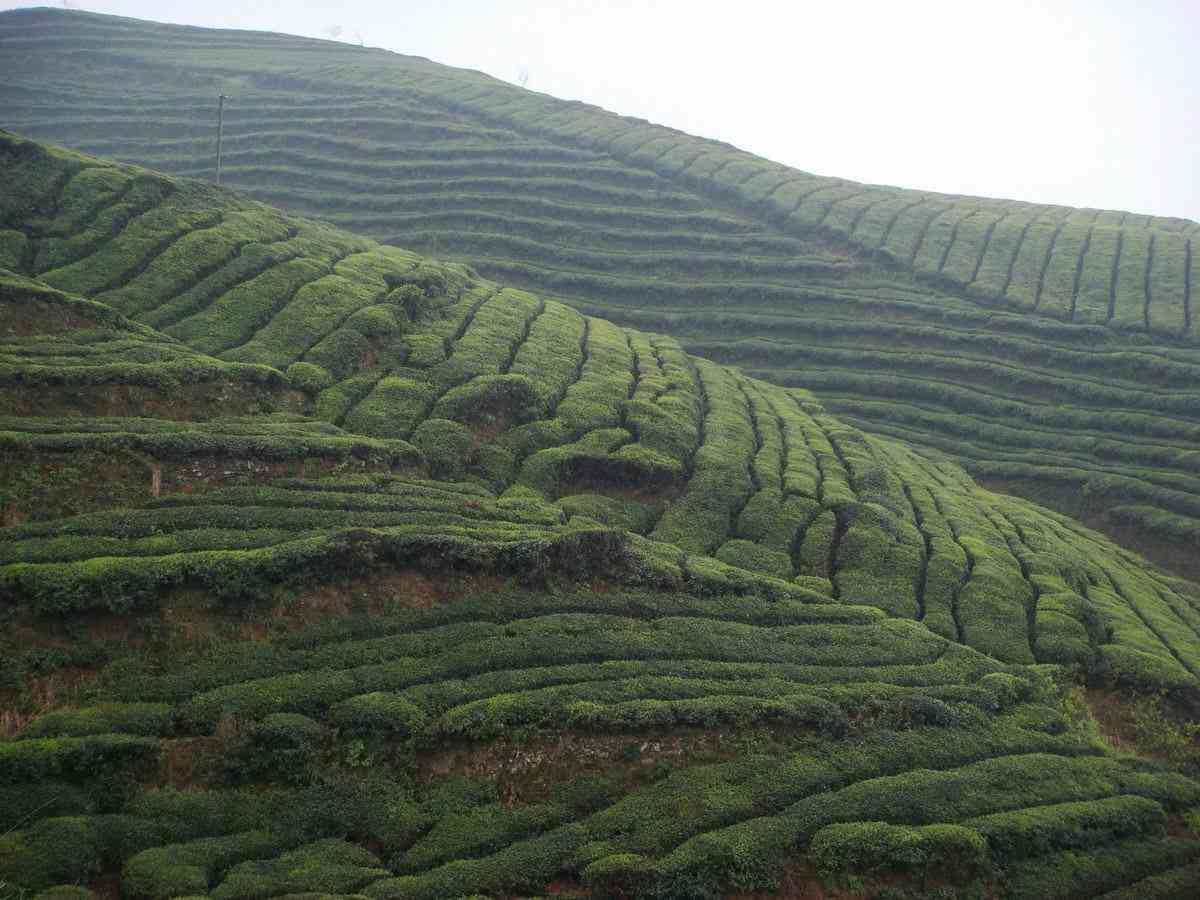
x,y
1035,832
148,719
65,892
280,747
771,700
377,809
329,866
75,759
280,439
387,715
489,399
446,446
191,868
1174,884
625,514
868,848
1074,874
52,851
23,804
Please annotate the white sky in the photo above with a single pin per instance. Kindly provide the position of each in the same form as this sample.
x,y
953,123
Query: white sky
x,y
1079,102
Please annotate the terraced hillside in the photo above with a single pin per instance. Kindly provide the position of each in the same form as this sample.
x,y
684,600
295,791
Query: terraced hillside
x,y
1050,350
330,567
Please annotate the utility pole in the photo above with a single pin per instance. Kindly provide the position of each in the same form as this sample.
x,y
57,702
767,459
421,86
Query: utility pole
x,y
220,123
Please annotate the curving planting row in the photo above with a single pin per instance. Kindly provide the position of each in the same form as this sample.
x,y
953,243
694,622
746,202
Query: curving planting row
x,y
873,726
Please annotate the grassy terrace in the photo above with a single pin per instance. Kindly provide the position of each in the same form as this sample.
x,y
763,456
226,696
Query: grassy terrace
x,y
570,427
1051,350
702,629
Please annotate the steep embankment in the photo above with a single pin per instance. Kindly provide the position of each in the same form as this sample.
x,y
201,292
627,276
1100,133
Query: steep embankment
x,y
484,595
1050,350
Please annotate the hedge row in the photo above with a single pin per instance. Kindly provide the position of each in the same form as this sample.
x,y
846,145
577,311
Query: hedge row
x,y
121,583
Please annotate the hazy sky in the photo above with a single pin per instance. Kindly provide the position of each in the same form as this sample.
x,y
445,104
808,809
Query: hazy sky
x,y
1079,102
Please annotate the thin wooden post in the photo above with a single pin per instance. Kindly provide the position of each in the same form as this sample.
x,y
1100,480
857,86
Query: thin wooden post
x,y
220,127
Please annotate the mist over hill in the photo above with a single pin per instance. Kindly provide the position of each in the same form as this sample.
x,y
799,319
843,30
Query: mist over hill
x,y
1049,349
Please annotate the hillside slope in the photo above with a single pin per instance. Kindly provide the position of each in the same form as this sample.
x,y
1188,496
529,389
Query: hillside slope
x,y
426,587
1050,350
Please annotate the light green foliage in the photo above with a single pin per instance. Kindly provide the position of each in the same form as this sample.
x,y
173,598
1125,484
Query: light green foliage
x,y
446,446
624,514
720,484
311,379
393,408
851,669
748,555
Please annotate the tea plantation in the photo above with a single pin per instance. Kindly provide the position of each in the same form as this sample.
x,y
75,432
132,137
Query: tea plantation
x,y
332,570
1051,351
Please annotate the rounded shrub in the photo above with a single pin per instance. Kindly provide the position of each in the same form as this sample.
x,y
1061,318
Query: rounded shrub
x,y
1006,688
280,747
613,511
615,872
446,446
374,321
755,558
864,848
379,713
53,851
490,399
309,378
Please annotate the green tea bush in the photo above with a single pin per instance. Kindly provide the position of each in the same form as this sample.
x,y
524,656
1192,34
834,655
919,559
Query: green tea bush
x,y
76,759
123,836
330,866
21,804
184,815
521,866
311,379
189,869
374,808
612,511
146,719
1071,873
756,558
489,399
387,715
868,848
616,872
446,446
1174,884
393,408
281,747
1065,826
52,851
374,321
477,832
